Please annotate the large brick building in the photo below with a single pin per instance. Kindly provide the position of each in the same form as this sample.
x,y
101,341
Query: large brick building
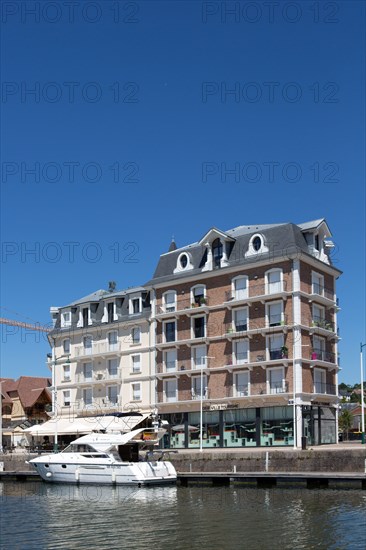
x,y
237,332
251,313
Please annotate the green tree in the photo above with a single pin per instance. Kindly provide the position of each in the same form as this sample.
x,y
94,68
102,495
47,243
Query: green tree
x,y
345,422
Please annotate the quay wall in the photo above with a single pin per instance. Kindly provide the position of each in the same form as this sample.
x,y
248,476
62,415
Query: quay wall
x,y
327,461
351,461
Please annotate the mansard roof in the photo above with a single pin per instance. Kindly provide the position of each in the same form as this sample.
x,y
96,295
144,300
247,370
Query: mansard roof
x,y
281,239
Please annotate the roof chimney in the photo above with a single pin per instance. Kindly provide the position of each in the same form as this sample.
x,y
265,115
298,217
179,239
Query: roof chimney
x,y
111,286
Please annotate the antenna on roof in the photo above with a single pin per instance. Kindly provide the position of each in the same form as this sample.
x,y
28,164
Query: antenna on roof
x,y
111,286
173,245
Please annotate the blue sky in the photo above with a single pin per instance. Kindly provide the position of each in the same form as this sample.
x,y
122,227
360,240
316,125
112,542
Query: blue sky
x,y
136,119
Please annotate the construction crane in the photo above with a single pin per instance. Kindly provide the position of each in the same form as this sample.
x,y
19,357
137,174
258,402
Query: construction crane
x,y
40,328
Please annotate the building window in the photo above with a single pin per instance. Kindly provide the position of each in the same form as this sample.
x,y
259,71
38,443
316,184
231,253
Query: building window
x,y
217,252
136,364
198,295
275,347
242,384
274,281
320,385
88,345
85,314
169,331
199,357
199,327
66,319
241,352
240,288
136,392
112,368
257,243
318,352
275,380
169,301
113,341
240,319
88,396
67,398
317,283
110,312
66,346
275,314
170,391
196,387
170,360
183,261
113,394
66,373
88,371
318,316
136,335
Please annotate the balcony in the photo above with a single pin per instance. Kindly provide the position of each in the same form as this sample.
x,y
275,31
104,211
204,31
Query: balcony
x,y
278,387
97,348
98,376
196,395
277,354
277,320
95,405
185,306
256,293
324,388
322,355
322,323
185,367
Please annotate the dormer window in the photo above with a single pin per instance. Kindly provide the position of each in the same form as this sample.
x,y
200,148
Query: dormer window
x,y
257,243
184,262
217,252
135,305
66,319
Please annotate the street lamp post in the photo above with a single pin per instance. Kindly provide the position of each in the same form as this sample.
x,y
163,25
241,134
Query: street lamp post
x,y
203,360
362,397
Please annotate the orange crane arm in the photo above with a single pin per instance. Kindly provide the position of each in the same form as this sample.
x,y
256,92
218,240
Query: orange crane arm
x,y
41,328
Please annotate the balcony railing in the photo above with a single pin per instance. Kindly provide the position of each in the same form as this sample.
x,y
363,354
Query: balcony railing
x,y
234,327
322,291
97,348
96,404
323,323
324,388
196,395
322,355
278,387
277,320
181,305
278,353
253,291
98,376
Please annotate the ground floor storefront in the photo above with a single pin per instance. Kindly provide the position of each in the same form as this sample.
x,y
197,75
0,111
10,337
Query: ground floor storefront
x,y
250,427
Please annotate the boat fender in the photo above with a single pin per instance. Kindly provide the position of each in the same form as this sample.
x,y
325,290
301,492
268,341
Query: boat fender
x,y
77,473
49,474
113,476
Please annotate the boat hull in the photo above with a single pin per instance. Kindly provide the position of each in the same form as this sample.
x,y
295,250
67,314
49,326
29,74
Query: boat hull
x,y
105,472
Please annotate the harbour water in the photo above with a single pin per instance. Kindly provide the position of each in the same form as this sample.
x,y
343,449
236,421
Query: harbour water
x,y
38,515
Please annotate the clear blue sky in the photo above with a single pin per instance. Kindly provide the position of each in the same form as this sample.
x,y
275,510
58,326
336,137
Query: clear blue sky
x,y
146,90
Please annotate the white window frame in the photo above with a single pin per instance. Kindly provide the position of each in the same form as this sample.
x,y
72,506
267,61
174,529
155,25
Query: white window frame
x,y
109,388
234,312
194,365
315,317
134,340
175,330
196,395
68,350
114,345
245,291
268,282
279,389
85,340
242,361
166,369
322,373
268,314
193,296
240,393
169,306
66,398
88,391
136,395
189,266
66,370
130,305
110,371
134,370
64,322
174,382
317,280
192,326
269,348
89,378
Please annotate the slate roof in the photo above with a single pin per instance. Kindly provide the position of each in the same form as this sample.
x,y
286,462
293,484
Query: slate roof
x,y
283,240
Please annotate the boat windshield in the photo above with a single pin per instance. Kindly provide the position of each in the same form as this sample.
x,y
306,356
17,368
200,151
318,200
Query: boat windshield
x,y
75,448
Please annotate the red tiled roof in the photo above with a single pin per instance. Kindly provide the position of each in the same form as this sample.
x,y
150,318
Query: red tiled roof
x,y
29,388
